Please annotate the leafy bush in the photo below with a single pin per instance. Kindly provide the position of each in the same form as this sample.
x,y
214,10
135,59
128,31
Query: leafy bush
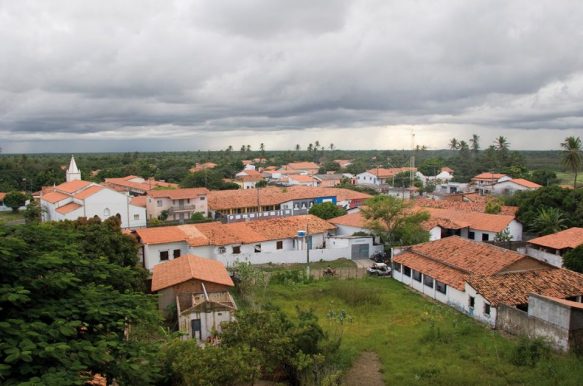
x,y
294,276
573,259
529,352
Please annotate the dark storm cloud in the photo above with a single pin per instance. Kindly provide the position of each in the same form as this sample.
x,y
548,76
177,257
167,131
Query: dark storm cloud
x,y
151,69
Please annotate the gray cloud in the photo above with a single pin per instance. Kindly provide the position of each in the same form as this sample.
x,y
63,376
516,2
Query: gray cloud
x,y
212,70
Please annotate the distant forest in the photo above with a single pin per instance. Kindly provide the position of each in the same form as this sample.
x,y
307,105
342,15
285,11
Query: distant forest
x,y
29,172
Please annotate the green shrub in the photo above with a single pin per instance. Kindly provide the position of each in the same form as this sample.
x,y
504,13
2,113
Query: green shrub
x,y
293,276
529,351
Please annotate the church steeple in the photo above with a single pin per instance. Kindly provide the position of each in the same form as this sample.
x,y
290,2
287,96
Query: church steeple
x,y
73,172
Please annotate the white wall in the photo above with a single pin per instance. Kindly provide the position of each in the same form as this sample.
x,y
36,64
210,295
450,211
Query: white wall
x,y
366,178
96,205
151,256
550,258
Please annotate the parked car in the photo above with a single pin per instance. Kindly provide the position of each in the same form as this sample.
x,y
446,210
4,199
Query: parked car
x,y
381,257
379,269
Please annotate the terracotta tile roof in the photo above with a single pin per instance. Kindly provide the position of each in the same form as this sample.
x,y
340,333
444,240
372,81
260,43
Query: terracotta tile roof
x,y
525,183
139,201
161,235
475,220
216,233
441,272
390,172
302,178
446,169
489,176
72,186
144,186
569,238
53,197
252,178
251,172
343,162
188,267
200,167
513,288
88,192
351,219
478,205
68,208
231,199
335,176
302,165
178,194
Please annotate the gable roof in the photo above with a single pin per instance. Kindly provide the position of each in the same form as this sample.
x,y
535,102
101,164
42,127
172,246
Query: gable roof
x,y
514,288
72,186
525,183
70,207
88,192
302,165
301,178
453,259
54,197
489,176
139,183
569,238
389,172
355,220
178,194
475,220
188,267
218,234
139,201
477,204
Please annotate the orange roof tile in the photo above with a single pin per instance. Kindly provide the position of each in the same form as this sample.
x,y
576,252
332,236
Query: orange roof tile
x,y
53,197
188,267
70,207
302,165
489,176
475,220
525,183
72,186
302,178
451,276
146,186
161,235
231,199
88,192
139,201
477,205
569,238
356,220
178,194
514,288
390,172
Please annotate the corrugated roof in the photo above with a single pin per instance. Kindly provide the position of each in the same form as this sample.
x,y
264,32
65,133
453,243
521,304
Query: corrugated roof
x,y
569,238
186,268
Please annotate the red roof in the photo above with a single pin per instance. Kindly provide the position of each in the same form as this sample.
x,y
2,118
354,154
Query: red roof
x,y
569,238
489,176
139,201
70,207
188,267
72,186
53,197
390,172
88,192
525,183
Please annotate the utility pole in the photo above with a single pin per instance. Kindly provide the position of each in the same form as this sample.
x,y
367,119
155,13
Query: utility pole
x,y
308,250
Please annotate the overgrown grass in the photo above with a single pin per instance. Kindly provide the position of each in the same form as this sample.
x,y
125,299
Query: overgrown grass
x,y
10,216
566,178
339,263
419,341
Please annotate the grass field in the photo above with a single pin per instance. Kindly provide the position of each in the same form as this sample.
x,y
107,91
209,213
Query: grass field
x,y
419,341
9,216
566,178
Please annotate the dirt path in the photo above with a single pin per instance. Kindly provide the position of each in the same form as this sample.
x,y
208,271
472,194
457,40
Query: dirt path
x,y
365,371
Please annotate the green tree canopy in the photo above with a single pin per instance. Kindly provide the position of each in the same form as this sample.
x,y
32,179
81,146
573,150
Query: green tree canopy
x,y
67,298
573,259
327,210
572,156
395,221
15,200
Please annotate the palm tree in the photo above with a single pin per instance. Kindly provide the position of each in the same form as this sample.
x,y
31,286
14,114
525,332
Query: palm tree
x,y
248,148
331,146
453,144
572,156
243,148
298,147
475,143
501,143
548,220
310,147
316,145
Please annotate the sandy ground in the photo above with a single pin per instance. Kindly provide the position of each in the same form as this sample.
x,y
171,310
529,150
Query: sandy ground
x,y
365,371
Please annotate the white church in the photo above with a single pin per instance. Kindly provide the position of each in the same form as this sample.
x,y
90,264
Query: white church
x,y
76,198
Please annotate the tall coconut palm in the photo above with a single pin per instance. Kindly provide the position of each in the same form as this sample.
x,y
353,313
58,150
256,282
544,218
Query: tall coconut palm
x,y
331,146
572,156
501,143
475,141
453,144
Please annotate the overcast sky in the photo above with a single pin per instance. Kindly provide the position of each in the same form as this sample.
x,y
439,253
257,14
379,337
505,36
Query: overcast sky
x,y
141,75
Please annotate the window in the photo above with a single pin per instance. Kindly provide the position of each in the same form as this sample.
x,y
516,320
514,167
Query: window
x,y
159,203
106,212
257,248
188,200
397,267
486,309
279,245
428,281
472,235
176,253
236,250
202,198
417,276
485,237
471,302
163,255
406,271
440,287
136,216
222,250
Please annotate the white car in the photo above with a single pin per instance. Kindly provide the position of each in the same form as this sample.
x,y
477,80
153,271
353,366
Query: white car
x,y
379,269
